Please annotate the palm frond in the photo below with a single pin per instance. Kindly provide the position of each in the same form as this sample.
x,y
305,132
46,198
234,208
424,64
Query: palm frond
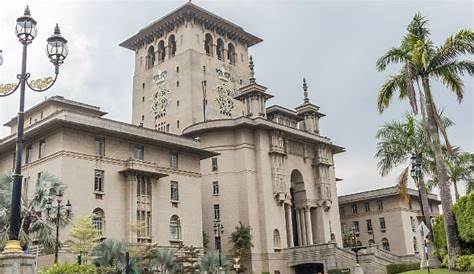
x,y
451,80
403,185
394,83
393,56
456,45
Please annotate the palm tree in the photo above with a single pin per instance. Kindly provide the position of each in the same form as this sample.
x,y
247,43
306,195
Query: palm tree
x,y
36,225
110,253
210,262
164,260
422,61
397,142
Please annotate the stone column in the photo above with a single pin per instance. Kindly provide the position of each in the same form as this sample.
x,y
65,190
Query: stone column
x,y
289,225
298,226
309,227
132,205
303,228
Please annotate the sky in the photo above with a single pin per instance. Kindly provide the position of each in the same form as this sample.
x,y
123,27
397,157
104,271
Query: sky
x,y
334,44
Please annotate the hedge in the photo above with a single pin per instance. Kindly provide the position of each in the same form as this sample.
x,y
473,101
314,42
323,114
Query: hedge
x,y
339,271
465,263
399,268
76,269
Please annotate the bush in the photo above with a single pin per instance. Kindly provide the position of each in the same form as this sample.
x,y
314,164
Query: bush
x,y
339,271
399,268
464,212
465,263
76,269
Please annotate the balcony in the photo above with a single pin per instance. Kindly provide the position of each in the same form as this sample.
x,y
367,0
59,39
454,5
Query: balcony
x,y
133,166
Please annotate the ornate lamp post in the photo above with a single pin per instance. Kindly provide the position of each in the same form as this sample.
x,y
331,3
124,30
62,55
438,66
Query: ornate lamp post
x,y
57,51
49,203
237,266
218,231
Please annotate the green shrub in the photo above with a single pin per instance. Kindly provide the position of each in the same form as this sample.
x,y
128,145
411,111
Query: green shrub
x,y
76,269
464,212
399,268
465,263
339,271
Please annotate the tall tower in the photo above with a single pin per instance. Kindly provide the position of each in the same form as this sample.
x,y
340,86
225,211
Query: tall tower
x,y
187,66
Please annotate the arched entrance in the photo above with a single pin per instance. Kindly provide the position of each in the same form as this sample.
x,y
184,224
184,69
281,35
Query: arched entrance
x,y
312,268
298,198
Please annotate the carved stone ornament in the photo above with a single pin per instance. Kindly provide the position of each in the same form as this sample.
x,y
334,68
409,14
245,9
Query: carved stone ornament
x,y
160,99
225,92
41,83
6,88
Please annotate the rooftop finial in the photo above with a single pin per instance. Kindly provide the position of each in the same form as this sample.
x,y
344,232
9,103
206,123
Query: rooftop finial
x,y
252,72
56,29
305,88
27,11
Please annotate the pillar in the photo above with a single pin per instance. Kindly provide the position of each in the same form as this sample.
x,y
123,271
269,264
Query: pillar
x,y
323,226
132,205
309,227
17,264
289,225
298,226
303,228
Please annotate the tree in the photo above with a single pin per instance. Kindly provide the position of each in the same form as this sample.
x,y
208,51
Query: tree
x,y
164,260
210,262
110,253
397,142
241,240
464,213
187,259
422,61
35,222
84,237
460,169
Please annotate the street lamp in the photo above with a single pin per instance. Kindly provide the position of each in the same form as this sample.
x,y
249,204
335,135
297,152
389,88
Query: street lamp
x,y
57,51
218,231
68,206
236,264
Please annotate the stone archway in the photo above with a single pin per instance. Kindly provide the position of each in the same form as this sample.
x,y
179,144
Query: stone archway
x,y
311,268
298,199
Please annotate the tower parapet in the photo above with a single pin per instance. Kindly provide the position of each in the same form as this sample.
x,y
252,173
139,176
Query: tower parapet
x,y
309,113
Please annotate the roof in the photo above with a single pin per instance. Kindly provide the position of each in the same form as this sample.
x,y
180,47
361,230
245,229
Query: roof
x,y
61,101
103,126
276,109
184,13
379,193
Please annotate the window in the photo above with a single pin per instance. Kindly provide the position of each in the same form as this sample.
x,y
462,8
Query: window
x,y
177,68
276,239
28,152
177,84
172,45
382,224
174,160
217,212
367,206
385,244
214,164
369,225
98,220
220,49
38,178
175,228
139,151
143,99
100,146
380,205
161,51
150,57
174,191
143,85
354,208
410,205
355,225
208,44
231,54
99,180
42,148
143,186
412,223
215,188
24,191
144,230
371,242
217,243
342,211
177,124
415,245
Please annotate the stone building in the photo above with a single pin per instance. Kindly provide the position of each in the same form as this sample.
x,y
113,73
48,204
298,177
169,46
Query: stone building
x,y
381,217
203,148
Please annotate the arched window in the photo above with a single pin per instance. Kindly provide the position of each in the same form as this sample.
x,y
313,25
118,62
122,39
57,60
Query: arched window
x,y
98,220
172,45
220,49
385,244
231,54
208,44
415,245
161,51
175,228
359,243
371,242
276,239
150,58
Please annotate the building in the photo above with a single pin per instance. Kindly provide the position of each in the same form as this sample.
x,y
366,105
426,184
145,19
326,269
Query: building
x,y
202,148
383,218
122,173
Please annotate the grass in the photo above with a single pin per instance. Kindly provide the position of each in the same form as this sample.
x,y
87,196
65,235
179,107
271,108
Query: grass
x,y
435,271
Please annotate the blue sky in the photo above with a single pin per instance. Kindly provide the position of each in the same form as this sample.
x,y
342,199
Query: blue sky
x,y
334,44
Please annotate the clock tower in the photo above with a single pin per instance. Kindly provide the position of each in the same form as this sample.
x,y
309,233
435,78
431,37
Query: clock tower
x,y
189,66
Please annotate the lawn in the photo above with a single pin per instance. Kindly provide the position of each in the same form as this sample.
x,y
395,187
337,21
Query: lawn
x,y
434,271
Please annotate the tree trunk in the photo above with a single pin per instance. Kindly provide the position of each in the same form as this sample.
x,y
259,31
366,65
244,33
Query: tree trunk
x,y
425,203
452,239
456,191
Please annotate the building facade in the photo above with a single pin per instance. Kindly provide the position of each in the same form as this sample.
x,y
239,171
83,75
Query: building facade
x,y
381,217
123,174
